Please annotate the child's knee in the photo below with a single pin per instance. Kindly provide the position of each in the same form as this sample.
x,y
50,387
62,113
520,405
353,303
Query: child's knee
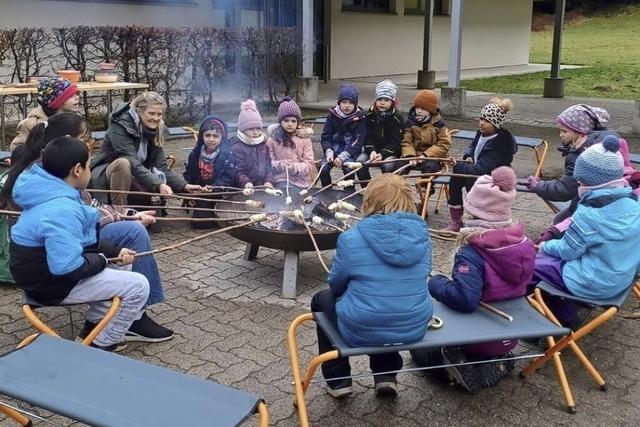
x,y
137,288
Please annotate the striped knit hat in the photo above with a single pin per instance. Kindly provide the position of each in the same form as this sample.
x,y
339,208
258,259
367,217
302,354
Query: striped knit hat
x,y
386,89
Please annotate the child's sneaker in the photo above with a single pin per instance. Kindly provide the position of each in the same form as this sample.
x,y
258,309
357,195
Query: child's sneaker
x,y
113,348
467,376
147,330
340,389
386,385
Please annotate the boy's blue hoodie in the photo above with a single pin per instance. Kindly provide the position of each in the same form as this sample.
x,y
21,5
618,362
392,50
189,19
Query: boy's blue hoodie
x,y
224,166
55,242
379,276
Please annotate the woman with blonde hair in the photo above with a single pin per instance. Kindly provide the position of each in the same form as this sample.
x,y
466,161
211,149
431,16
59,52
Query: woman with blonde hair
x,y
131,156
378,291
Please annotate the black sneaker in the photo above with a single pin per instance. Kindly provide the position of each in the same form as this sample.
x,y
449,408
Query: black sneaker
x,y
147,330
86,329
113,348
386,385
491,373
466,376
340,389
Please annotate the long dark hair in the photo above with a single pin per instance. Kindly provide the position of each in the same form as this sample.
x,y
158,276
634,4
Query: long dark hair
x,y
60,124
283,137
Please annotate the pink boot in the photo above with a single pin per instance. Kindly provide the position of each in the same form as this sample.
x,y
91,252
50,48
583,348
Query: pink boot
x,y
455,223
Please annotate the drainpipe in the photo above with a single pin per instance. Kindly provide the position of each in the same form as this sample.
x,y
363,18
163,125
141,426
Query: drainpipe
x,y
426,76
453,99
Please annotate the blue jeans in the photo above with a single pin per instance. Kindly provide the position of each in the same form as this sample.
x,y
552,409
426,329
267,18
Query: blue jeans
x,y
134,236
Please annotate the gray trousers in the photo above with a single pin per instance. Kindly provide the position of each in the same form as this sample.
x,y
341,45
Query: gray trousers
x,y
98,290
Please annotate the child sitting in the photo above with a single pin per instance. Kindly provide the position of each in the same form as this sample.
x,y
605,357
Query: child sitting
x,y
54,95
343,134
377,285
210,163
492,147
249,147
597,258
56,254
384,125
494,262
290,148
581,126
425,132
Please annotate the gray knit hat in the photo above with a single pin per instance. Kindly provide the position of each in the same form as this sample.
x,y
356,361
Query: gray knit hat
x,y
386,89
600,163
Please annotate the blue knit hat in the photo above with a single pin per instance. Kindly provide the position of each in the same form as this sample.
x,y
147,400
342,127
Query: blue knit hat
x,y
600,163
349,92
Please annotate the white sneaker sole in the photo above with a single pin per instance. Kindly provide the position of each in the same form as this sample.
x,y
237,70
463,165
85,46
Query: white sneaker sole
x,y
132,337
340,392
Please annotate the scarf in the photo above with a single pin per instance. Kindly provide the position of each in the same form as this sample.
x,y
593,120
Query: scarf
x,y
250,141
342,114
205,163
618,183
423,120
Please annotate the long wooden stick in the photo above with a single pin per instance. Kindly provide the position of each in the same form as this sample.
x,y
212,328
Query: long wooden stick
x,y
186,242
333,183
170,196
313,183
286,170
408,159
315,245
10,213
187,208
188,218
436,174
496,311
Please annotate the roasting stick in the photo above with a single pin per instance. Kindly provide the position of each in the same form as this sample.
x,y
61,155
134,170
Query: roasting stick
x,y
396,172
306,190
172,196
188,218
254,219
288,197
496,311
333,183
186,208
315,245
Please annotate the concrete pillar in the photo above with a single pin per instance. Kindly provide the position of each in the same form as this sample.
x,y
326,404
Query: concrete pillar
x,y
455,45
307,38
636,117
307,91
453,101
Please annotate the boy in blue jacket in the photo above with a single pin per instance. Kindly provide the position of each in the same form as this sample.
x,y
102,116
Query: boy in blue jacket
x,y
57,256
598,257
343,134
378,291
210,163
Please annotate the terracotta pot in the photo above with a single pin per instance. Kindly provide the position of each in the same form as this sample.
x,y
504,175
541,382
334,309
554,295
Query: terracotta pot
x,y
72,75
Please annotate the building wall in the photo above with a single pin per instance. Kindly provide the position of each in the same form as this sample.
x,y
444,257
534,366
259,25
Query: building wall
x,y
59,13
495,33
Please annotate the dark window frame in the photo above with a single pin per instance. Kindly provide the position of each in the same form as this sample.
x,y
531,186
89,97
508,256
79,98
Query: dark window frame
x,y
437,9
364,9
140,2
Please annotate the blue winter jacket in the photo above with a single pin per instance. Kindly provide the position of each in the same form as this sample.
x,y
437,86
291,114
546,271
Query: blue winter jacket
x,y
55,242
379,275
600,248
224,166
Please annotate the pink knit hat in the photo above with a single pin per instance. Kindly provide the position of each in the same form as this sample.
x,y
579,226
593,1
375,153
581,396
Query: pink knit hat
x,y
492,197
249,117
289,108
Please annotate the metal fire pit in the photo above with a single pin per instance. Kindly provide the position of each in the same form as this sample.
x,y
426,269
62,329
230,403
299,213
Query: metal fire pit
x,y
283,233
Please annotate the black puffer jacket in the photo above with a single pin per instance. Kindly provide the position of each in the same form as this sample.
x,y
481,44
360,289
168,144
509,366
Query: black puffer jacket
x,y
383,133
498,151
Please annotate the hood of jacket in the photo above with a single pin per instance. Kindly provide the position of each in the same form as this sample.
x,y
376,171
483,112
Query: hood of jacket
x,y
225,132
507,252
355,116
381,234
435,118
122,116
36,186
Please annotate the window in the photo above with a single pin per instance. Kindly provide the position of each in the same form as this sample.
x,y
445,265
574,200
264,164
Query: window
x,y
417,7
366,5
141,2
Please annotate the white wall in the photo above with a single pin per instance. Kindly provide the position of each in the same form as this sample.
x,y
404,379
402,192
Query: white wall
x,y
56,13
495,33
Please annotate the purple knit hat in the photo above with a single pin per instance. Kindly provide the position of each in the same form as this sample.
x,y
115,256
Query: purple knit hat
x,y
492,197
289,108
249,117
583,119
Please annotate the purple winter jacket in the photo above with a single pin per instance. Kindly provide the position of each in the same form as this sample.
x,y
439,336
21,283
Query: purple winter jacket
x,y
496,265
253,162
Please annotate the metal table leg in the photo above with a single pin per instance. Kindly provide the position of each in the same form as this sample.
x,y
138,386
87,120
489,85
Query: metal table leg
x,y
250,252
290,274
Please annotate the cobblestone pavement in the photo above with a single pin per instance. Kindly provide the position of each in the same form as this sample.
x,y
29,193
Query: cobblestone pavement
x,y
231,323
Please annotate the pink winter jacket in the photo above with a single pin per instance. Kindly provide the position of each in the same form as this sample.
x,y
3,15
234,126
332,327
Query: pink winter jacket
x,y
299,158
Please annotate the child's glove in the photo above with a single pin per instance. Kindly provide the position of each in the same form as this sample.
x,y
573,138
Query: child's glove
x,y
532,183
329,156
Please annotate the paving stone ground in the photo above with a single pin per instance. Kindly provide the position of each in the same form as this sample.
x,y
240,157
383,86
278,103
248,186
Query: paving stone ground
x,y
231,322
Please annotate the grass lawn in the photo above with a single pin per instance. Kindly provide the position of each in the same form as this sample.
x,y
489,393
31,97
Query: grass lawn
x,y
607,43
